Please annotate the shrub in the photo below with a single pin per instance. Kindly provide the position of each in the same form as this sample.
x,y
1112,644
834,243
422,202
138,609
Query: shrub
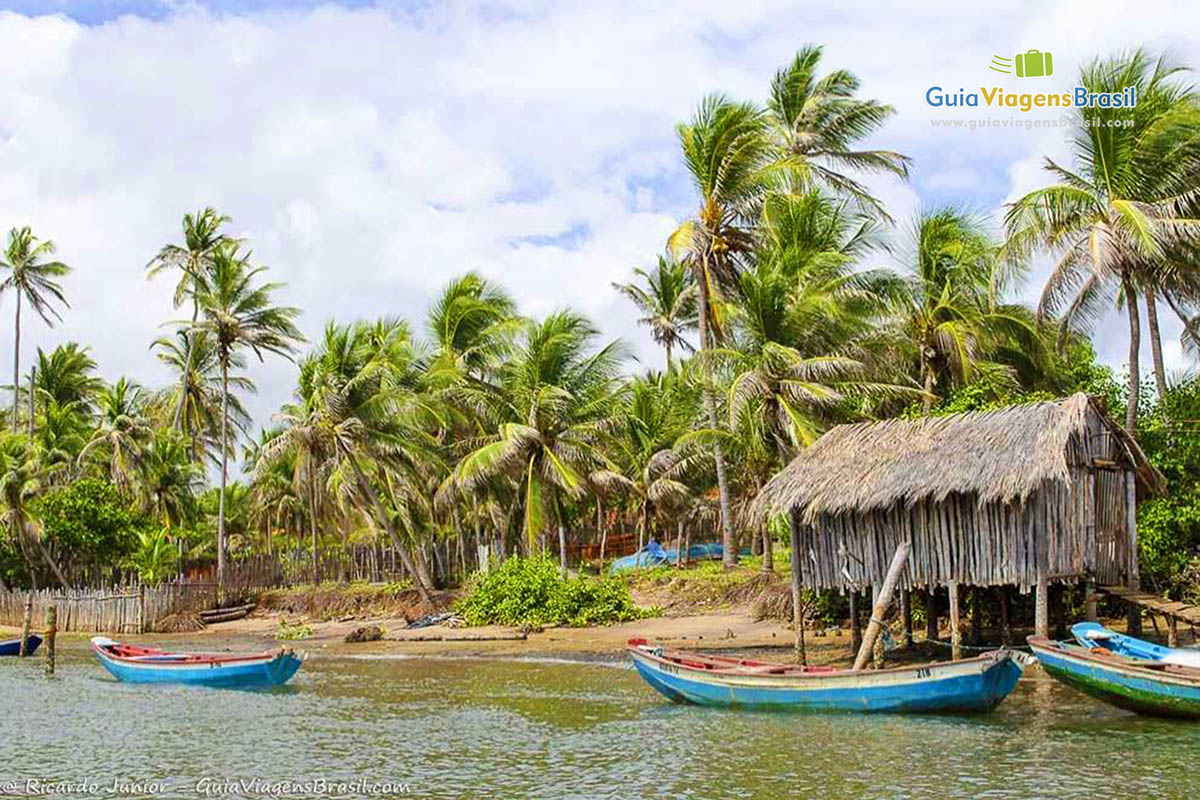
x,y
531,591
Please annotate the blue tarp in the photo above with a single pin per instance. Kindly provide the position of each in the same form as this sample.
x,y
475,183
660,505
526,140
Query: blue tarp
x,y
653,554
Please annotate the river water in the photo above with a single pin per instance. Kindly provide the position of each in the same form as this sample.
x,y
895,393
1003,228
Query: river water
x,y
424,727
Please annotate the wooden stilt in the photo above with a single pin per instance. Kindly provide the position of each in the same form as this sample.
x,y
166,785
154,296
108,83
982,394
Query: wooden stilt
x,y
855,623
877,648
1041,613
1089,602
1058,609
797,580
1134,581
906,636
1005,625
976,616
1172,631
931,616
955,629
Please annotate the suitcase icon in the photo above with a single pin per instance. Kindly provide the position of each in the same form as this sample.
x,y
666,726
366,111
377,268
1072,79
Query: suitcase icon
x,y
1034,64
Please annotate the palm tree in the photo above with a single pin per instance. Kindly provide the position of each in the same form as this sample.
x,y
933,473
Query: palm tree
x,y
469,324
20,485
67,375
195,359
171,480
237,312
667,303
729,156
816,122
122,435
33,279
950,316
202,238
1128,200
554,400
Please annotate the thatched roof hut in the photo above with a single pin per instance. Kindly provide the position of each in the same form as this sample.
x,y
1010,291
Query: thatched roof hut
x,y
1045,490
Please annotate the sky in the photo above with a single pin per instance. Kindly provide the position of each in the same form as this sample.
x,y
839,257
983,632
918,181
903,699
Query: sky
x,y
370,151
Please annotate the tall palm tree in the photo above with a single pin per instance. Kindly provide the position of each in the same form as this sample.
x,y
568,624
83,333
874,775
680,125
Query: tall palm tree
x,y
1127,200
728,153
20,485
195,359
469,324
555,398
202,238
67,375
950,316
237,311
667,302
34,279
122,435
816,121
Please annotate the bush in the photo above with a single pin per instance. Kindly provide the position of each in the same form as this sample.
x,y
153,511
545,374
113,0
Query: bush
x,y
530,591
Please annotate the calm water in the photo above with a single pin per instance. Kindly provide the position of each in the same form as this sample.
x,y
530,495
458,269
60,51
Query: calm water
x,y
489,728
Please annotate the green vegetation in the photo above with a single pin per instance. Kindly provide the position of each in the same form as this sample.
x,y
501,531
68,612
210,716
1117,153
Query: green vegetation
x,y
532,591
288,631
786,302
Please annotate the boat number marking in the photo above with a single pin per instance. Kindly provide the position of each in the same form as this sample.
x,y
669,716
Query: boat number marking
x,y
670,669
923,672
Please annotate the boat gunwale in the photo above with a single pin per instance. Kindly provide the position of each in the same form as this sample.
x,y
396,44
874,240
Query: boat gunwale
x,y
1158,671
150,656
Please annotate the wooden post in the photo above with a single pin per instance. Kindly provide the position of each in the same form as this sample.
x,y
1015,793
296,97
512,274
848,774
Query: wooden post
x,y
1134,579
51,632
1041,613
855,623
797,580
1058,609
1172,631
24,648
1005,626
881,606
877,648
976,616
931,617
141,608
906,636
955,630
1089,602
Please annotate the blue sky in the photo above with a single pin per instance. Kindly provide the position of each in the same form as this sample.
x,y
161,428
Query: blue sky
x,y
371,151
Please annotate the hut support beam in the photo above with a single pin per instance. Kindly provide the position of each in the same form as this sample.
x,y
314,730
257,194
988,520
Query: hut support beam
x,y
1089,602
1005,625
882,600
1135,580
906,636
855,622
931,619
797,577
955,628
1041,613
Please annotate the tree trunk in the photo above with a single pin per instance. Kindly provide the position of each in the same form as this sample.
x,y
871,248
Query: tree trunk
x,y
729,556
562,537
669,364
16,365
1160,374
312,523
32,401
603,531
177,424
383,519
1135,341
927,370
37,540
768,550
224,478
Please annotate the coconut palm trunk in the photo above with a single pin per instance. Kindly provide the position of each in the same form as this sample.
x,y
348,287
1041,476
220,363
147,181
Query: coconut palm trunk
x,y
927,370
1135,343
1160,373
729,549
382,517
312,523
16,366
224,477
177,424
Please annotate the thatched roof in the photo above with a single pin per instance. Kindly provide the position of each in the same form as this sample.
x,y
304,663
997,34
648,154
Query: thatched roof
x,y
1002,455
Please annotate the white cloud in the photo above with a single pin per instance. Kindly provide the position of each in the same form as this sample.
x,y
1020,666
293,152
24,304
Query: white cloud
x,y
369,155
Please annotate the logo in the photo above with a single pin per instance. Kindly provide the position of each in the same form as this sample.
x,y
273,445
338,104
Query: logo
x,y
1030,64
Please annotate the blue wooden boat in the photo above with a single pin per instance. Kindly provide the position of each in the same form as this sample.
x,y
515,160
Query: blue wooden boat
x,y
970,685
229,670
12,647
1095,636
1145,686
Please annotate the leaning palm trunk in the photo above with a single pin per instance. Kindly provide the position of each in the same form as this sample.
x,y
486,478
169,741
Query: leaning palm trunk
x,y
1160,374
224,478
1135,342
62,579
381,516
729,554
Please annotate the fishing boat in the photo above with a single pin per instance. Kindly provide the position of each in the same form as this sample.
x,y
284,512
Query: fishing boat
x,y
1095,636
230,670
1146,686
12,647
971,685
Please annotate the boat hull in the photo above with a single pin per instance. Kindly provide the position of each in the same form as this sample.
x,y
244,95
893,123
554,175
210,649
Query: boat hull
x,y
251,672
12,647
971,686
1122,682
